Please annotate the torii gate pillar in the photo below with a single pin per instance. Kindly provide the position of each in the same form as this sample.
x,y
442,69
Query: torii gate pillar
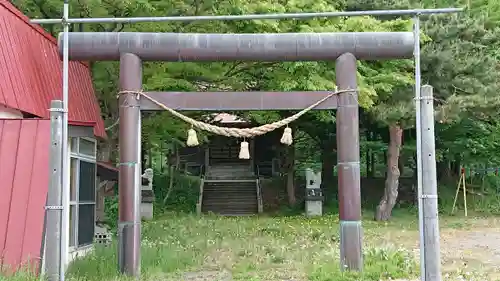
x,y
129,217
349,194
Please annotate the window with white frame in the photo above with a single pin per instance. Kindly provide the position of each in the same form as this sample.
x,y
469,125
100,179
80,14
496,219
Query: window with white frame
x,y
83,192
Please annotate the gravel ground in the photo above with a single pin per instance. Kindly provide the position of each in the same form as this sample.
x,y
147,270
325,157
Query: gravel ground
x,y
472,250
473,254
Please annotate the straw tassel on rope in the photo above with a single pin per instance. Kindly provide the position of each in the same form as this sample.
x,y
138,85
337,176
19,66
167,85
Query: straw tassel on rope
x,y
287,136
244,152
192,138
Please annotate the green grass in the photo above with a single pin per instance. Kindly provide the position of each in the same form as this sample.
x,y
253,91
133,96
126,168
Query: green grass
x,y
251,249
182,247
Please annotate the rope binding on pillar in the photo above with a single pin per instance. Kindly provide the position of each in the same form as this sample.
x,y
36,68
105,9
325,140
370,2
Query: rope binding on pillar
x,y
243,133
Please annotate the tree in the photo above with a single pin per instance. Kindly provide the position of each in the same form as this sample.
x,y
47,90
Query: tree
x,y
397,114
459,61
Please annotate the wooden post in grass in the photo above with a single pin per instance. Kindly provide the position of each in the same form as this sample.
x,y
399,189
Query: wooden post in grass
x,y
461,186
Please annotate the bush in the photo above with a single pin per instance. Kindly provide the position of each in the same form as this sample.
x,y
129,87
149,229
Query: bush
x,y
183,197
184,194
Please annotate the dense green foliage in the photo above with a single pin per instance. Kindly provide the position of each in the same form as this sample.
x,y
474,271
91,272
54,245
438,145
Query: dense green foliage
x,y
459,59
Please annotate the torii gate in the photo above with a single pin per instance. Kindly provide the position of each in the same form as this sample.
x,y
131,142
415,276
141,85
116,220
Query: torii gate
x,y
133,48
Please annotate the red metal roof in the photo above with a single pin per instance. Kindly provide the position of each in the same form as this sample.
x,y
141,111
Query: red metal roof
x,y
24,173
31,71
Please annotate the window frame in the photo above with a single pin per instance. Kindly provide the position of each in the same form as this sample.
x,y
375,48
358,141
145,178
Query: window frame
x,y
75,179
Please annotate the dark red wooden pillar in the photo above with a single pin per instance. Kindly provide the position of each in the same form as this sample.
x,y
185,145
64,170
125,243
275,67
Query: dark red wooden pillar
x,y
129,221
348,166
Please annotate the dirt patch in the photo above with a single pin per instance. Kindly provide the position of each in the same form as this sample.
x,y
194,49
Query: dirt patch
x,y
463,251
476,250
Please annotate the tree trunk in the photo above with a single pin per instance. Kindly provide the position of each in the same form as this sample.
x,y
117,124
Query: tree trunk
x,y
384,209
290,179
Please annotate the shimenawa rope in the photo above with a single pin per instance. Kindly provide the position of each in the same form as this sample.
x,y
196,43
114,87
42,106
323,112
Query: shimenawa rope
x,y
238,132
